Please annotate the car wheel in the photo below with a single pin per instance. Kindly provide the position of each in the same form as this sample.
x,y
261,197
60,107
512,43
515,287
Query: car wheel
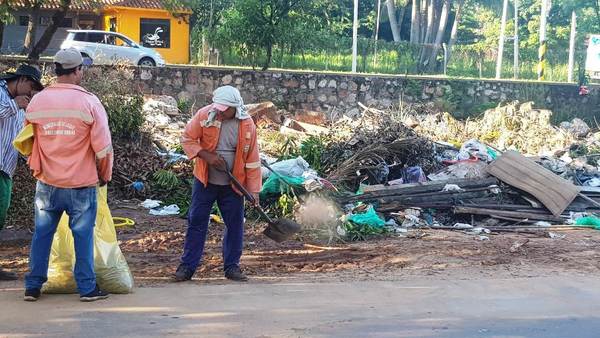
x,y
147,62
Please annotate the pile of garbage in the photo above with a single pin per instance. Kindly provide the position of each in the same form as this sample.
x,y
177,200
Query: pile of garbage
x,y
376,149
513,126
391,175
163,120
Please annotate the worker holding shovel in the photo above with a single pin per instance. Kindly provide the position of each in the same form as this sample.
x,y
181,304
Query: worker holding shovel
x,y
220,137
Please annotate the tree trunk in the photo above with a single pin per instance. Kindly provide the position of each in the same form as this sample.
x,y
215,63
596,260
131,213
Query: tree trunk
x,y
597,10
1,33
440,35
430,21
414,23
501,40
44,41
453,35
205,44
422,21
391,9
32,25
401,20
205,50
429,32
269,56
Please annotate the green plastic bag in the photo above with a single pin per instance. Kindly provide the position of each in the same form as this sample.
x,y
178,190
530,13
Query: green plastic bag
x,y
588,222
274,186
369,218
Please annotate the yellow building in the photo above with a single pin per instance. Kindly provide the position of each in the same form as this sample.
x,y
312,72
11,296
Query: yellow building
x,y
153,26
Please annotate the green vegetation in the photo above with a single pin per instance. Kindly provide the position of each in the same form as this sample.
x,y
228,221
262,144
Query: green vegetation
x,y
125,117
316,35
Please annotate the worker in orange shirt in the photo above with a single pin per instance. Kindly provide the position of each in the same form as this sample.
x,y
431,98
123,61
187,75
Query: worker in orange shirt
x,y
72,154
221,136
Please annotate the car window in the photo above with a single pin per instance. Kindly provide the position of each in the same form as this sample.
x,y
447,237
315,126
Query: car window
x,y
119,41
79,36
95,37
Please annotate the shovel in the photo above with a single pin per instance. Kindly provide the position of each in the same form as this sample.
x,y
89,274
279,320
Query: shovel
x,y
278,230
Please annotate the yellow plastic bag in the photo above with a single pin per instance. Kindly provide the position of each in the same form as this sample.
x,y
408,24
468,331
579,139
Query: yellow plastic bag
x,y
112,272
24,141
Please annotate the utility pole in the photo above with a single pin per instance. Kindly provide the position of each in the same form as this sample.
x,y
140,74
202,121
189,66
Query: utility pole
x,y
501,40
355,37
516,40
377,33
572,45
543,43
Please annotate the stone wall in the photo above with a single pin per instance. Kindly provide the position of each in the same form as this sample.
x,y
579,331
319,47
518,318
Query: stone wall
x,y
337,93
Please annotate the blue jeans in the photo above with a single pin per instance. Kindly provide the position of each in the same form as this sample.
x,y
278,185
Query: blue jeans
x,y
231,206
50,203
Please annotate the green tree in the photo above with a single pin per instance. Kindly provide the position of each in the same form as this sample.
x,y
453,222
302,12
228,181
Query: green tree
x,y
57,18
5,17
257,25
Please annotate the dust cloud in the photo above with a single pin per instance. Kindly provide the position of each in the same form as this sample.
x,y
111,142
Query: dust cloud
x,y
317,212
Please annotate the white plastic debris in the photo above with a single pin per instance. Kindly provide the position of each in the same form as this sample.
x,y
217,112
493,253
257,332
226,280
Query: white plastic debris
x,y
483,238
494,189
594,182
341,231
554,235
172,156
172,209
410,221
151,204
542,224
294,167
452,188
391,223
479,231
476,149
463,226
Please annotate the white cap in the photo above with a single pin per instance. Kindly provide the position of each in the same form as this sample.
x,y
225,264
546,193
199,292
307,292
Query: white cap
x,y
68,58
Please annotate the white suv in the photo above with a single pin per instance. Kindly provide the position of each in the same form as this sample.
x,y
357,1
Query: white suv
x,y
106,48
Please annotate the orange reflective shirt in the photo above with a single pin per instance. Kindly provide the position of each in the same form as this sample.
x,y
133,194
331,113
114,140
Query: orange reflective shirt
x,y
72,146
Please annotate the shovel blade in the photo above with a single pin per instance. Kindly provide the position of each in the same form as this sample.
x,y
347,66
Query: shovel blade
x,y
281,230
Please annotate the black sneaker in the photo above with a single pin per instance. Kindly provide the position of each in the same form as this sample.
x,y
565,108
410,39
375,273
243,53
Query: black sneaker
x,y
7,275
31,295
183,273
93,296
235,273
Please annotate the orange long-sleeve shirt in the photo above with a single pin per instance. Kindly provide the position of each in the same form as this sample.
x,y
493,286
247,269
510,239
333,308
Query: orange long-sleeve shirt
x,y
200,135
72,146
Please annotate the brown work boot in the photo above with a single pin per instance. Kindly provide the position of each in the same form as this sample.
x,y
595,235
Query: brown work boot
x,y
7,275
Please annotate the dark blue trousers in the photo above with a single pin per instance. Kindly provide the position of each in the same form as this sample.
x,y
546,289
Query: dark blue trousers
x,y
231,206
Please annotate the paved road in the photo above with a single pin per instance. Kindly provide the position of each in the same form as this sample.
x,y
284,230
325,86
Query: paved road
x,y
535,307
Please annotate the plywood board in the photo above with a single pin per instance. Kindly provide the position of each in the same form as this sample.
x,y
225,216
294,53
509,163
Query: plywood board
x,y
516,170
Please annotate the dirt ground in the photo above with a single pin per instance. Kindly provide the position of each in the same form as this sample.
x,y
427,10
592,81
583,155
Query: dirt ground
x,y
153,248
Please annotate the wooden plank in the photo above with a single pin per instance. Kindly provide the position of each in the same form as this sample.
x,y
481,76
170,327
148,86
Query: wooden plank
x,y
505,213
516,170
417,188
430,186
